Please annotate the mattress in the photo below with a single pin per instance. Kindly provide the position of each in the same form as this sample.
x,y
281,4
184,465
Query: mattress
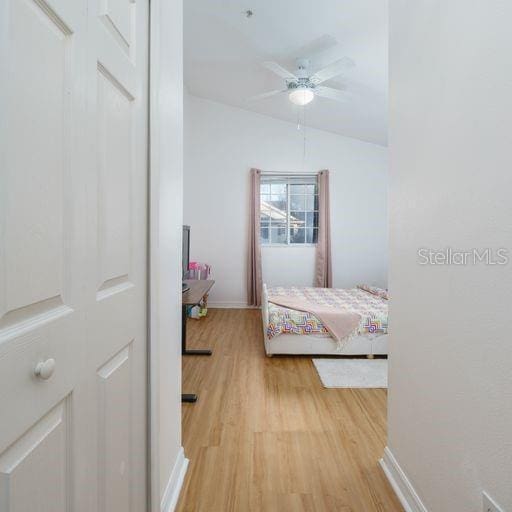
x,y
370,339
366,302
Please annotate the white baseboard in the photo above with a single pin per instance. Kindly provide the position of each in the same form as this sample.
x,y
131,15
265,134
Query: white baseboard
x,y
401,484
230,305
173,487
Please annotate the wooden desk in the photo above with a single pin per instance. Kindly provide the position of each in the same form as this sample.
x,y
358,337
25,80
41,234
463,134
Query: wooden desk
x,y
192,297
197,290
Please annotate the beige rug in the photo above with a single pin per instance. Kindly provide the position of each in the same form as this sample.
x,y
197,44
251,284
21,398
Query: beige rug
x,y
352,373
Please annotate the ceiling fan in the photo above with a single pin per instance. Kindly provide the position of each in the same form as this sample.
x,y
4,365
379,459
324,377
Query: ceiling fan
x,y
302,87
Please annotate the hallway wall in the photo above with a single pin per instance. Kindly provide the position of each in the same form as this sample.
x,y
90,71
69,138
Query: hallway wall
x,y
450,395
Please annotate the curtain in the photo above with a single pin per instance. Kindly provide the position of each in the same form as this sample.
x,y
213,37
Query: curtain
x,y
323,265
254,279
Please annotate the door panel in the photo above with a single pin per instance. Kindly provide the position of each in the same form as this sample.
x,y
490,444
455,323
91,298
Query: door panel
x,y
34,469
38,115
118,17
116,150
114,410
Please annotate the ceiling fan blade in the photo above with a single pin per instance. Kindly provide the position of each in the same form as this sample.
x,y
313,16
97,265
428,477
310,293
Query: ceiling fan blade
x,y
332,70
332,94
266,95
279,70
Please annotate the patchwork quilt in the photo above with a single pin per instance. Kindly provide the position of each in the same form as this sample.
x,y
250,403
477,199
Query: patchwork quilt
x,y
372,308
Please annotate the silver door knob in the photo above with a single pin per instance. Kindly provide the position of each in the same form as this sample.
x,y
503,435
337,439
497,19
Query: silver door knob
x,y
44,370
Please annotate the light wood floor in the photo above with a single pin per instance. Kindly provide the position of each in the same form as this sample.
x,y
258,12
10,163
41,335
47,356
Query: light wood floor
x,y
266,436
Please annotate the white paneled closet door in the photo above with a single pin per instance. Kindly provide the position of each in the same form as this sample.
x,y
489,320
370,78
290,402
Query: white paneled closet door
x,y
73,184
116,297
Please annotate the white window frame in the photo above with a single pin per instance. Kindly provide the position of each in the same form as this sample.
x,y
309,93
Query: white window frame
x,y
289,179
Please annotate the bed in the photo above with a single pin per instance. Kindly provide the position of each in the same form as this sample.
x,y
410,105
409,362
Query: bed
x,y
313,338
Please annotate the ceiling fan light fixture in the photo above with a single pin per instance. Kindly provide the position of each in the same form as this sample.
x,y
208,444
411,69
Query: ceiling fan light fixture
x,y
301,96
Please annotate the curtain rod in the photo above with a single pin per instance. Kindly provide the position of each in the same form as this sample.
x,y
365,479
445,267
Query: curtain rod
x,y
291,174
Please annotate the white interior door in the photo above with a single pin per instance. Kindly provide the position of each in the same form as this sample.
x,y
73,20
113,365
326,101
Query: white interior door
x,y
117,240
73,170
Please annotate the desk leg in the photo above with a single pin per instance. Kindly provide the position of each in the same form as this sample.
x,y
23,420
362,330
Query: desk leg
x,y
184,350
188,398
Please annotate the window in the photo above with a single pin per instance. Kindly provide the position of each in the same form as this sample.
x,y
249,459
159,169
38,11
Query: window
x,y
289,210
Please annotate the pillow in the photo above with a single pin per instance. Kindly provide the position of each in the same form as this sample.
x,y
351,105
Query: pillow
x,y
380,292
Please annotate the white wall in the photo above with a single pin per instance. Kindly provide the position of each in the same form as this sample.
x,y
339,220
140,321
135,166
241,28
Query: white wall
x,y
450,396
167,461
222,143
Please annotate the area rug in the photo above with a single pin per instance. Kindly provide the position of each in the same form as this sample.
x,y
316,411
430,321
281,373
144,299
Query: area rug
x,y
352,373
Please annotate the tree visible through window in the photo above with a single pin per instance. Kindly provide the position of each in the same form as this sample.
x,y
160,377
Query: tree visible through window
x,y
289,210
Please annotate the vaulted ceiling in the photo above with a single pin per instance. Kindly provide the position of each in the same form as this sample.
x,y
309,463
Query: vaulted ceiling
x,y
224,49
